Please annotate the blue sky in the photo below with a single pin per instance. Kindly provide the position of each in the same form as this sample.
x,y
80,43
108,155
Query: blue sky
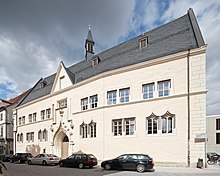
x,y
36,35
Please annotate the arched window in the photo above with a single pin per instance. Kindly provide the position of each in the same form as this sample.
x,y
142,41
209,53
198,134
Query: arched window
x,y
92,129
152,124
40,135
168,122
21,137
18,137
45,135
84,130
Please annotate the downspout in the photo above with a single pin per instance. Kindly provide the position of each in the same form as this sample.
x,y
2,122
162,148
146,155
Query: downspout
x,y
188,107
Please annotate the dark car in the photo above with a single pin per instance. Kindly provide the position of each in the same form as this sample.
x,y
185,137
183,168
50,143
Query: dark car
x,y
5,158
20,157
139,162
213,154
79,160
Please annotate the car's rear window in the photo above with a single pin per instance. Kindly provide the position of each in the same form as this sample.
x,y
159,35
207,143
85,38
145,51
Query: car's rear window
x,y
143,157
51,155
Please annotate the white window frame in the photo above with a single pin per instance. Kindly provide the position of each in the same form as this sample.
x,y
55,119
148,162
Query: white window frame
x,y
48,113
42,113
166,126
34,117
147,92
94,101
84,104
129,123
117,127
30,118
112,97
163,89
123,96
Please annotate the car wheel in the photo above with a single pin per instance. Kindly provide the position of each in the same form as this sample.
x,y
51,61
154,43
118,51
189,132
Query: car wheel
x,y
140,168
107,166
61,164
81,165
29,162
44,163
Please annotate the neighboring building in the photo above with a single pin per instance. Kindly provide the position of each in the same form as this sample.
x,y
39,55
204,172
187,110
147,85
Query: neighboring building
x,y
146,95
213,133
6,128
6,123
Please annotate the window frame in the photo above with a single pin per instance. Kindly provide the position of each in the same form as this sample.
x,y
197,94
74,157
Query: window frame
x,y
84,104
131,122
117,128
111,100
93,104
163,90
123,95
148,92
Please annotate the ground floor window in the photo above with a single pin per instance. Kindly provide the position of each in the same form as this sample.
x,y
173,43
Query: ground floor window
x,y
88,130
124,126
152,124
217,138
129,126
117,127
168,122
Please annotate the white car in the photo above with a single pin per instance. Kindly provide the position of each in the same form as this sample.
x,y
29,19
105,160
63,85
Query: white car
x,y
44,159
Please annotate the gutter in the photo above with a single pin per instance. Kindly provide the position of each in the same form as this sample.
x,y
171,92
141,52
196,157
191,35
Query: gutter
x,y
188,108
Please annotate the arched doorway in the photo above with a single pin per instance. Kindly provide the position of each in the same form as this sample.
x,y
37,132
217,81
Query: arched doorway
x,y
65,147
61,144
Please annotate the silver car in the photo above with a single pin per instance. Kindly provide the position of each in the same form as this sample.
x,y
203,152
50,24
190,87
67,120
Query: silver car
x,y
44,159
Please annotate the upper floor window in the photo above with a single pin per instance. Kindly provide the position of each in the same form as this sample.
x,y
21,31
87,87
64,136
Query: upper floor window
x,y
62,103
143,42
117,127
124,95
30,118
89,47
43,84
84,104
152,124
217,124
112,97
1,116
48,112
34,117
42,114
148,91
168,122
94,101
164,88
130,126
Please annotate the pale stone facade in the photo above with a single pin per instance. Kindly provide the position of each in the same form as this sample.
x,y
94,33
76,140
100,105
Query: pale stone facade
x,y
213,132
156,106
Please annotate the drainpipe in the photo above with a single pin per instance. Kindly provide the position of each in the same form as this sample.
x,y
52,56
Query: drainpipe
x,y
188,107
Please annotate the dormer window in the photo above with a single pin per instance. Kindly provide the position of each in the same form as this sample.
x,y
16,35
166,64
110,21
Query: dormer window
x,y
143,42
95,61
43,84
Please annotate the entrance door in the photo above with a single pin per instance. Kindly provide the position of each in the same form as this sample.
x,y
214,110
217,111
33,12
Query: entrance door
x,y
65,147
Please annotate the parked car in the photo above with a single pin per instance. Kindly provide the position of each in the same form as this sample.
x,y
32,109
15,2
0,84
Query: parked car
x,y
44,159
5,158
139,162
79,160
20,157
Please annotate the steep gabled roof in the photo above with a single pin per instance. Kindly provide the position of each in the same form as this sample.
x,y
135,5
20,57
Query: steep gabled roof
x,y
176,36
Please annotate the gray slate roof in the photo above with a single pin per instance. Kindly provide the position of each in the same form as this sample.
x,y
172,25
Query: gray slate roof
x,y
176,36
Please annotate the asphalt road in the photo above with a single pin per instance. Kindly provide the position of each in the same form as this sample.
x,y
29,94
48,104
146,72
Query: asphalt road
x,y
38,170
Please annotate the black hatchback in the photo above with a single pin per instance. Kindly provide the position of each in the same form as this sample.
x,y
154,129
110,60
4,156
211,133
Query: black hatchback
x,y
139,162
20,157
79,160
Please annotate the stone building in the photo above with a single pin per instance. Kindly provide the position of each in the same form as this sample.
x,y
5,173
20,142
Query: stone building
x,y
146,95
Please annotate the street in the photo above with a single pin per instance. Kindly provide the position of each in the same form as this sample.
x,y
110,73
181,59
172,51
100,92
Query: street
x,y
38,170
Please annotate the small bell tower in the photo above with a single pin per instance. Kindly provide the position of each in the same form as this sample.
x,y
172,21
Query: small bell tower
x,y
89,45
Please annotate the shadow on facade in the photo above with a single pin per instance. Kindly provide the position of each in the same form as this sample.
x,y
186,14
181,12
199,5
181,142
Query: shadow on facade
x,y
33,149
